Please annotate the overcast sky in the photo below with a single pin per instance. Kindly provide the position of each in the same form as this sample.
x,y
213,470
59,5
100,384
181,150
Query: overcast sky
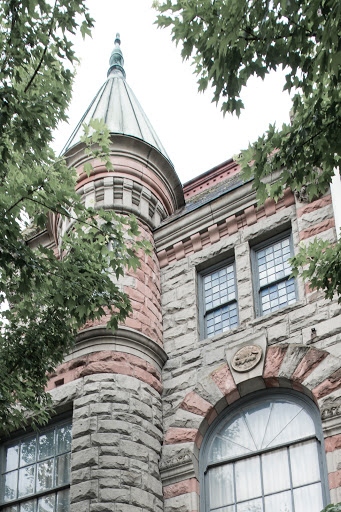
x,y
193,131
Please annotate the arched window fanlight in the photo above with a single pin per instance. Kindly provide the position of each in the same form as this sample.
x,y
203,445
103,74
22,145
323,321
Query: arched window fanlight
x,y
265,456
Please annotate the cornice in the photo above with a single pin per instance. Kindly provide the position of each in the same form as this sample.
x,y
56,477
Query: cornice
x,y
212,221
126,340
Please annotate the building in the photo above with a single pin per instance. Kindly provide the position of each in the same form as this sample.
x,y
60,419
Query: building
x,y
222,391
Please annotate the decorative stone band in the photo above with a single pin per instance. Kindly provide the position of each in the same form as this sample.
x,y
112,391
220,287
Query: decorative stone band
x,y
124,339
226,227
138,160
306,369
124,352
121,194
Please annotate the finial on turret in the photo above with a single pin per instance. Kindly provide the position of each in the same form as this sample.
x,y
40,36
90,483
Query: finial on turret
x,y
116,61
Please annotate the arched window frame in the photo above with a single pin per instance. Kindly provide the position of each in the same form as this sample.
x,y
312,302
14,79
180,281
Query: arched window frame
x,y
252,399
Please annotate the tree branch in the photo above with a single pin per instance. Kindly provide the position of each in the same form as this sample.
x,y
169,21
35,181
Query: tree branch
x,y
44,51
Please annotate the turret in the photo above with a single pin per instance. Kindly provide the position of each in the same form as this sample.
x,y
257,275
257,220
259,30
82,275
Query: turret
x,y
117,421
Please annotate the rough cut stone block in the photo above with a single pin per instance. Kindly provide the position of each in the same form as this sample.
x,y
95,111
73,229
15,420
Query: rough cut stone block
x,y
327,367
114,426
113,495
84,458
102,507
108,439
81,443
113,461
292,358
83,491
80,475
103,409
196,404
83,427
139,497
80,506
184,503
134,450
186,419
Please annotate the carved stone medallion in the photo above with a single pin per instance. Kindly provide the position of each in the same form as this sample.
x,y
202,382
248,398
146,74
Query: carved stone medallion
x,y
246,358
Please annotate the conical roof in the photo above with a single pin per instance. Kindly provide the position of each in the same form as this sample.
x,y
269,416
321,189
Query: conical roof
x,y
118,106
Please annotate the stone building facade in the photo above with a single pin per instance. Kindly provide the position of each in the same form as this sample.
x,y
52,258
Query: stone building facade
x,y
222,391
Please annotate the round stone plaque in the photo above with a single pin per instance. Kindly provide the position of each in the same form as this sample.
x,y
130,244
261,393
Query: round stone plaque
x,y
246,358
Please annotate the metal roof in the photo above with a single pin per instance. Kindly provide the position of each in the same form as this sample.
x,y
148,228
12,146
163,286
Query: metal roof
x,y
118,106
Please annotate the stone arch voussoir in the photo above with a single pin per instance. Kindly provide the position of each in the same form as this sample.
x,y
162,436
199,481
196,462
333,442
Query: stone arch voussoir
x,y
304,368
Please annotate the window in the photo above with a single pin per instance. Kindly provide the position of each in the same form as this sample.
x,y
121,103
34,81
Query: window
x,y
265,456
35,472
218,292
274,287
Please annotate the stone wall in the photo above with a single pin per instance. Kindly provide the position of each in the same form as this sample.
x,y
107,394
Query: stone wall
x,y
117,436
301,342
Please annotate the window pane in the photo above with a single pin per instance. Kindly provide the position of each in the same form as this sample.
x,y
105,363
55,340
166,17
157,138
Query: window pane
x,y
63,469
251,506
64,438
300,426
13,508
11,482
248,480
275,466
222,319
26,480
12,457
45,475
28,451
304,463
46,445
273,262
63,501
280,502
46,504
28,506
257,418
308,498
277,295
233,439
221,486
288,422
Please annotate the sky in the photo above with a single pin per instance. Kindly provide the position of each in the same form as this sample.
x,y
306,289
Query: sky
x,y
192,129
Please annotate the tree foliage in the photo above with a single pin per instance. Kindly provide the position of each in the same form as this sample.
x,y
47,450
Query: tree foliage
x,y
50,295
231,40
332,508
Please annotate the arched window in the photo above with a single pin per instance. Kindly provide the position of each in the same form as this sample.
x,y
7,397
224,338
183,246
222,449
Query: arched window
x,y
264,455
